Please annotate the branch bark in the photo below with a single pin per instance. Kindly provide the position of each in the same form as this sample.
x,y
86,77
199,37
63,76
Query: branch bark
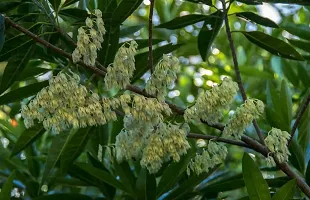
x,y
237,71
151,65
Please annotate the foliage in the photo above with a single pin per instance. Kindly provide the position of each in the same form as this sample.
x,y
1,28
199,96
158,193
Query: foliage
x,y
37,38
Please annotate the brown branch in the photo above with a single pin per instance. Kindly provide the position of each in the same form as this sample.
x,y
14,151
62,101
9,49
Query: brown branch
x,y
151,36
299,116
236,67
209,137
249,141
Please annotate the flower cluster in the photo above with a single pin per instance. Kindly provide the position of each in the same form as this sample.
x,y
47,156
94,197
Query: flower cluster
x,y
166,142
209,105
243,116
65,104
214,154
119,73
164,76
276,142
145,136
89,41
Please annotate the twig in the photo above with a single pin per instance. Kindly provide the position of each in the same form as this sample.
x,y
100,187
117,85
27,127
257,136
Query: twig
x,y
237,71
299,116
209,137
151,35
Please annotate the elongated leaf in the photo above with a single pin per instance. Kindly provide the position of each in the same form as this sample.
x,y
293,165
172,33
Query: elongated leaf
x,y
207,2
74,13
23,92
187,186
130,30
7,187
124,9
300,30
208,33
304,129
74,147
297,157
173,172
69,2
286,103
14,68
180,22
103,176
257,19
286,192
300,44
272,44
257,2
8,5
146,186
126,175
307,176
256,186
2,35
64,197
56,149
26,139
55,4
142,59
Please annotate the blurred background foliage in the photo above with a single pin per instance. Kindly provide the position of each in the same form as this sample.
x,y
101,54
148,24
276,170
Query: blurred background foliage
x,y
274,69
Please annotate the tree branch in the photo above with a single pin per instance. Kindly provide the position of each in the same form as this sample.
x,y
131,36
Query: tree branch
x,y
151,36
236,67
299,116
209,137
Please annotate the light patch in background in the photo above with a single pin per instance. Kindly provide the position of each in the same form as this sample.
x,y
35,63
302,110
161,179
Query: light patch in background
x,y
184,13
206,72
215,51
190,98
195,59
201,143
146,2
5,142
198,81
173,94
270,12
210,83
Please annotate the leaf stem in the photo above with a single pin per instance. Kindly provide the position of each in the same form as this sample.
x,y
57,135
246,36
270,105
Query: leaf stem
x,y
299,116
236,67
151,65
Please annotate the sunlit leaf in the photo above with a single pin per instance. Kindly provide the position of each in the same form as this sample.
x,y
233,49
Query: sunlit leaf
x,y
286,192
272,44
257,19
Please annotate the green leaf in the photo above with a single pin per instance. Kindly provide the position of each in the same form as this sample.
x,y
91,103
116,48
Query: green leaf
x,y
297,157
55,4
290,73
272,44
256,185
64,197
286,192
254,72
74,147
146,185
304,128
125,174
74,13
257,2
207,2
307,176
55,151
69,2
188,185
124,9
130,30
300,30
303,74
257,19
103,176
142,59
180,22
208,33
7,187
5,6
286,103
300,44
173,172
14,68
27,138
23,92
